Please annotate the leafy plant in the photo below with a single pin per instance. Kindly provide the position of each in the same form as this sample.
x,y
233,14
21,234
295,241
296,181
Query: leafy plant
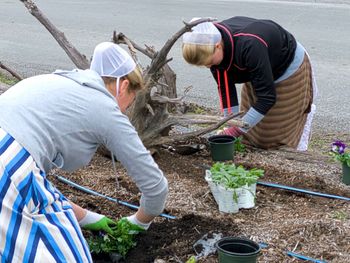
x,y
192,259
238,145
120,241
339,153
232,176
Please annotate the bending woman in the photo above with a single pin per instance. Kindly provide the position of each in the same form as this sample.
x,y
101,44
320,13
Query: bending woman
x,y
58,121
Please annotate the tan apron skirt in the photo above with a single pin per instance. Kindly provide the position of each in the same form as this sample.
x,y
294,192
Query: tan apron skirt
x,y
284,123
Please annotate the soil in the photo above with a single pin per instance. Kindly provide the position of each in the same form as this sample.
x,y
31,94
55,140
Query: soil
x,y
315,227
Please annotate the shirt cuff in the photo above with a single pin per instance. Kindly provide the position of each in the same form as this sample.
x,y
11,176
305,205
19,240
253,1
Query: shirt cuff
x,y
252,117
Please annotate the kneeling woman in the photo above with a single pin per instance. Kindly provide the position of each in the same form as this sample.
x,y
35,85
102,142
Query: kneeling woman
x,y
279,89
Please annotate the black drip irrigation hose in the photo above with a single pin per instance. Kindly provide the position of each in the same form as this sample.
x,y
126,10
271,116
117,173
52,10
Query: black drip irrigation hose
x,y
285,187
89,191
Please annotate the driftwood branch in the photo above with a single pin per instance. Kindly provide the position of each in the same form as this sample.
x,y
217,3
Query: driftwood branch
x,y
165,99
150,118
190,119
120,38
130,45
11,71
161,57
190,135
77,58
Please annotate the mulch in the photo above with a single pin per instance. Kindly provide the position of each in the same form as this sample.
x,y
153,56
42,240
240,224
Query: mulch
x,y
313,226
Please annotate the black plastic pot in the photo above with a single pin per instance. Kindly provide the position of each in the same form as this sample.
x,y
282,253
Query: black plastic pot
x,y
237,250
221,147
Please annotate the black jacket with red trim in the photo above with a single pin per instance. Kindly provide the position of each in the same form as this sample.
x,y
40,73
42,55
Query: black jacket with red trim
x,y
256,51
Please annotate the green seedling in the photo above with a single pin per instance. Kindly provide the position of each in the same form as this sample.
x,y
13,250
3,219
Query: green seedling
x,y
232,176
120,241
238,145
191,260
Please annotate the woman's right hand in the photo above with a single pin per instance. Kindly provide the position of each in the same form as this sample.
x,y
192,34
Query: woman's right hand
x,y
233,131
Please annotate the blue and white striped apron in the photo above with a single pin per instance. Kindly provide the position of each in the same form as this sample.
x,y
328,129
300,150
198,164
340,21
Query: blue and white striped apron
x,y
37,223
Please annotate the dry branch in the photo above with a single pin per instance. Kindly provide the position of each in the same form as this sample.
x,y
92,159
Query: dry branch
x,y
190,135
161,57
149,115
190,119
12,72
77,58
120,38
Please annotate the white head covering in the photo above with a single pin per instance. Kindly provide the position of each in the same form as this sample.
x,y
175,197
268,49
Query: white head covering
x,y
110,60
204,33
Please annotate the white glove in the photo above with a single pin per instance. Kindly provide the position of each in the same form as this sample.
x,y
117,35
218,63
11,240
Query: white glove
x,y
90,218
96,222
133,220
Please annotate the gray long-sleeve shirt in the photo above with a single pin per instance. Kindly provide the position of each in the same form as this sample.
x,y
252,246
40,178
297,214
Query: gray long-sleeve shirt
x,y
62,118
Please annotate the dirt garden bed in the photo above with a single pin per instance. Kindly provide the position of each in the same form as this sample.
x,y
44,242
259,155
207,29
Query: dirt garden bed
x,y
316,227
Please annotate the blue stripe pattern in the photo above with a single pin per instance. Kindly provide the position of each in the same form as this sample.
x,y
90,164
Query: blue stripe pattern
x,y
44,235
5,143
52,218
13,228
80,235
17,162
49,203
33,245
25,188
5,183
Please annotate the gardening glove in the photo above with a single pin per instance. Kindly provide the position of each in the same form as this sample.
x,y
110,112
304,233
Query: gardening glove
x,y
233,131
97,222
133,220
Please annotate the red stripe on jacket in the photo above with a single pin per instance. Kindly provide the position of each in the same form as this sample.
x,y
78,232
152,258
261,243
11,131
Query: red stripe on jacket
x,y
219,84
227,88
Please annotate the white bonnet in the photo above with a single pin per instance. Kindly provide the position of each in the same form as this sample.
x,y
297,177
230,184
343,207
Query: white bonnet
x,y
204,33
110,60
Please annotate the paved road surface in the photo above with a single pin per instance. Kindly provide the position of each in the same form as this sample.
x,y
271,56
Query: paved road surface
x,y
322,26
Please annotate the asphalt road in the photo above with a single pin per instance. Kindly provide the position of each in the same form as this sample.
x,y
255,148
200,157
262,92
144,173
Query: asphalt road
x,y
321,26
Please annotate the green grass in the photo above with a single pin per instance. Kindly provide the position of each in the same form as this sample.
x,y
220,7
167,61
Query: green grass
x,y
340,215
7,79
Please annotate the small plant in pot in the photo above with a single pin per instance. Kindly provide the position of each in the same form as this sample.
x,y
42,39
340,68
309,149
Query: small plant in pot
x,y
233,187
340,153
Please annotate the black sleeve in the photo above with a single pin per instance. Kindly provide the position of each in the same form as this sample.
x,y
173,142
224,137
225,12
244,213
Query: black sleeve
x,y
226,88
256,58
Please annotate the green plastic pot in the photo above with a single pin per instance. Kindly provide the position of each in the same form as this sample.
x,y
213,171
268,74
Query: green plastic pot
x,y
237,250
346,174
221,147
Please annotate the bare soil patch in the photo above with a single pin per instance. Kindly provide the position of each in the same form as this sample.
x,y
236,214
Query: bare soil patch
x,y
316,227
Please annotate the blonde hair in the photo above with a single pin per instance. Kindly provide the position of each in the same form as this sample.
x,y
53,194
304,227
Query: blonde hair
x,y
135,79
199,55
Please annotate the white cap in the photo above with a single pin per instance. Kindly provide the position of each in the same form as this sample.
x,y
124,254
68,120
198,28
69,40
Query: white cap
x,y
110,60
204,33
